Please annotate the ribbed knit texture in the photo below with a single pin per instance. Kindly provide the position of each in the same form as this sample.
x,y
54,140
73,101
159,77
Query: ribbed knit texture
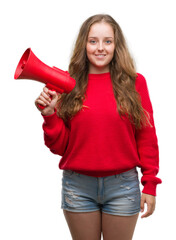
x,y
97,142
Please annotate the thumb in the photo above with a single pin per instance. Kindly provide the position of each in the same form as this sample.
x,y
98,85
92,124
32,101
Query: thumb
x,y
53,94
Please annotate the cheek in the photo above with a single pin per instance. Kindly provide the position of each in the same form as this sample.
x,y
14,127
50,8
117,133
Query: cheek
x,y
111,50
90,49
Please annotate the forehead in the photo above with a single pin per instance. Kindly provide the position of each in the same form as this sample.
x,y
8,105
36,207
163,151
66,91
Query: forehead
x,y
101,29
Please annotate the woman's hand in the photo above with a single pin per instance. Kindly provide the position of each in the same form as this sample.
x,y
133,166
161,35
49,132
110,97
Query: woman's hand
x,y
150,200
45,100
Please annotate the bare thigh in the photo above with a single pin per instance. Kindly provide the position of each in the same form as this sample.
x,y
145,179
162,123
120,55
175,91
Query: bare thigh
x,y
118,227
84,226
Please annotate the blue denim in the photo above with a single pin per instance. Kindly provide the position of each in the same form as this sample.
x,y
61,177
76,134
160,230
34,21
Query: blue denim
x,y
117,194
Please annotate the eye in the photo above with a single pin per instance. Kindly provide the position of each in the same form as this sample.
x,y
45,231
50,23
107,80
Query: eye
x,y
92,41
108,41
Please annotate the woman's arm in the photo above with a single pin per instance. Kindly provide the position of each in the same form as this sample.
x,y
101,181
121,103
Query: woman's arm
x,y
147,143
56,134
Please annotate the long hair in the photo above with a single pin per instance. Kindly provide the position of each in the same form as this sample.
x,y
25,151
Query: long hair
x,y
122,71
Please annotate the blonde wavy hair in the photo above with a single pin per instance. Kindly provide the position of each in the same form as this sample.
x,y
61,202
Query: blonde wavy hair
x,y
122,71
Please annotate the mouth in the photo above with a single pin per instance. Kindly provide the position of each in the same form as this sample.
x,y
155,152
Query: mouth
x,y
100,55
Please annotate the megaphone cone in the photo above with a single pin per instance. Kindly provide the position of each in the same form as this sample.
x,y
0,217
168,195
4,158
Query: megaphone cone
x,y
30,67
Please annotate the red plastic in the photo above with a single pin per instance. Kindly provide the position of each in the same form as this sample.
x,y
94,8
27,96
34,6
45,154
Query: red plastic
x,y
30,67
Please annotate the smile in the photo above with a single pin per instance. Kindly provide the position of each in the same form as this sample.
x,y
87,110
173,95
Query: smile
x,y
100,56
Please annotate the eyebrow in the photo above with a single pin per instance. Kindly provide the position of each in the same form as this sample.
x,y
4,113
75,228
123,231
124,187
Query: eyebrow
x,y
97,37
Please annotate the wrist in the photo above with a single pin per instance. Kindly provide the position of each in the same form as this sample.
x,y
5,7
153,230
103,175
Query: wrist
x,y
48,113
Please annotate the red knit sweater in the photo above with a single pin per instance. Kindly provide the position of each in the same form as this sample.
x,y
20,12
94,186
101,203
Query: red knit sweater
x,y
97,142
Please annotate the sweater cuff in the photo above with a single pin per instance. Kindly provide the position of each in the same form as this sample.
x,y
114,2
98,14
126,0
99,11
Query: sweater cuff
x,y
150,188
50,119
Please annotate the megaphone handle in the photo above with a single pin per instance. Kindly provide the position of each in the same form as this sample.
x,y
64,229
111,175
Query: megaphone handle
x,y
52,88
41,106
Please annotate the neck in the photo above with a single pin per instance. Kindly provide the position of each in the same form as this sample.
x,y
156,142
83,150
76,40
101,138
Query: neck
x,y
95,70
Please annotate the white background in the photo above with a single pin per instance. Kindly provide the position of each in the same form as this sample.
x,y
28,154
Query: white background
x,y
30,180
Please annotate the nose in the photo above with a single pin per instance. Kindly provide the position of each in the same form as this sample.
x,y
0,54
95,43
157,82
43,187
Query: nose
x,y
100,46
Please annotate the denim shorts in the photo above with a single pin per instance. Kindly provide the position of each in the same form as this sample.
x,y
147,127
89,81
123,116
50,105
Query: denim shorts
x,y
117,194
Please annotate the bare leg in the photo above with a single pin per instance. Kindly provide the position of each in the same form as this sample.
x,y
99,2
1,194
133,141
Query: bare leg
x,y
84,225
118,227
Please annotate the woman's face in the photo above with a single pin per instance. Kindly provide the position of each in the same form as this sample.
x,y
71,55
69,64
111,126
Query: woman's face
x,y
100,47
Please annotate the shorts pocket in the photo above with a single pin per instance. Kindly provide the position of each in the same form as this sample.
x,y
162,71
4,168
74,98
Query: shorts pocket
x,y
129,175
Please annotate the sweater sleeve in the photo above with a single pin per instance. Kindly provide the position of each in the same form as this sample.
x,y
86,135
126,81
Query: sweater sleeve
x,y
56,134
147,143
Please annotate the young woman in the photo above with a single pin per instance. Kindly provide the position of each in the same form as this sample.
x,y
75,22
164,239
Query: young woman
x,y
103,129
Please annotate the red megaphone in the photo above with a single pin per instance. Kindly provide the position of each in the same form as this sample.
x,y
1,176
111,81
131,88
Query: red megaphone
x,y
30,67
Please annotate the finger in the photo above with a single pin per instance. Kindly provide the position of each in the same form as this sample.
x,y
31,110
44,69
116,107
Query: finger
x,y
45,89
44,100
46,96
38,101
52,92
142,204
149,211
